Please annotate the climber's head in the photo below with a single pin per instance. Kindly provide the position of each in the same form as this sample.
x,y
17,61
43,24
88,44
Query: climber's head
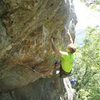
x,y
71,48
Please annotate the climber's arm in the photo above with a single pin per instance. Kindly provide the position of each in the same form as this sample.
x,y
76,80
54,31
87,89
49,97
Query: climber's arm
x,y
55,48
70,38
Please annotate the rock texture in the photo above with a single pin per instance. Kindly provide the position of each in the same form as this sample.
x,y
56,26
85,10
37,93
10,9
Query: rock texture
x,y
25,52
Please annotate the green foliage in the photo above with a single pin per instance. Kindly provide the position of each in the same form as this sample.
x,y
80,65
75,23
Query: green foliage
x,y
94,5
87,66
97,2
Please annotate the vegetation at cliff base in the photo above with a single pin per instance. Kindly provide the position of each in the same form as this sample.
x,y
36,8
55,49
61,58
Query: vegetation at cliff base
x,y
87,66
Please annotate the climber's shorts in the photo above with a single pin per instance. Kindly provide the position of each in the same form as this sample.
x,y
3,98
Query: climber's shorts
x,y
63,73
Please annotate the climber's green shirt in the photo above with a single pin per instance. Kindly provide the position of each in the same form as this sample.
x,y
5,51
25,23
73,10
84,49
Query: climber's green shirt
x,y
66,61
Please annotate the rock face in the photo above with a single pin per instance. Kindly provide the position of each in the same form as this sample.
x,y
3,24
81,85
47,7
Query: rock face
x,y
44,89
25,52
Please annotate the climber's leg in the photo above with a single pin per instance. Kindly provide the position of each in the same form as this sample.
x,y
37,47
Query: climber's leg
x,y
61,71
57,65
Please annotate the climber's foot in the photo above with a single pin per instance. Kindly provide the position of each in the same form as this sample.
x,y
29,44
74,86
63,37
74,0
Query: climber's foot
x,y
47,74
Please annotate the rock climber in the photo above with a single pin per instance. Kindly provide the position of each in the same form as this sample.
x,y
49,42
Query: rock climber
x,y
65,57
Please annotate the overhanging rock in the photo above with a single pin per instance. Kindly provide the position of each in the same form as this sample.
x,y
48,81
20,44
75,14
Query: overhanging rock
x,y
25,29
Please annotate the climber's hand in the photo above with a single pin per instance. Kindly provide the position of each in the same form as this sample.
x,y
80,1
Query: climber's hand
x,y
68,31
51,38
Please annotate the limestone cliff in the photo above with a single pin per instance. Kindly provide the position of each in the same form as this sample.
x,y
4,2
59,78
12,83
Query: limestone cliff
x,y
25,52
